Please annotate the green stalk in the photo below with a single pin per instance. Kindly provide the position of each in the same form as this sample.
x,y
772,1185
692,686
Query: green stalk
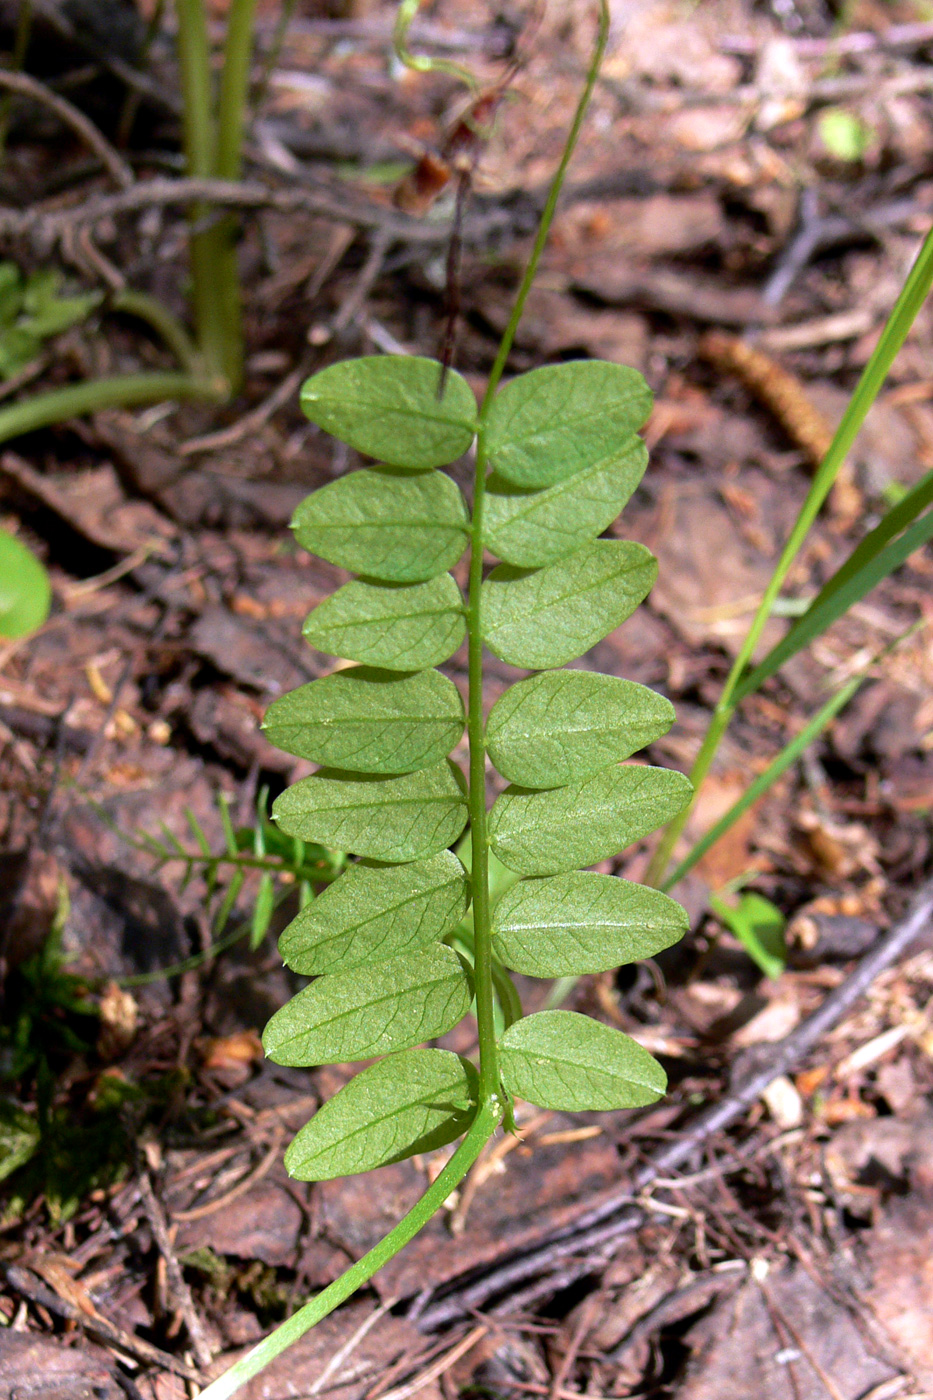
x,y
908,304
484,1125
163,322
121,391
482,932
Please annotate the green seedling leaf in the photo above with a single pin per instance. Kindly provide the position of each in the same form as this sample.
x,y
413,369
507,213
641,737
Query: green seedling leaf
x,y
388,524
391,819
573,924
562,726
387,406
553,615
371,1010
561,419
416,1101
844,135
19,1138
263,910
11,293
400,627
570,1063
532,528
759,926
368,721
546,833
25,591
373,912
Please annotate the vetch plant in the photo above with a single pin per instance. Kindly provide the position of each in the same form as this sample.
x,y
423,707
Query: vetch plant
x,y
556,460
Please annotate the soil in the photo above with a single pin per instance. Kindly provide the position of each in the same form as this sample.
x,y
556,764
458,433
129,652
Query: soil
x,y
751,186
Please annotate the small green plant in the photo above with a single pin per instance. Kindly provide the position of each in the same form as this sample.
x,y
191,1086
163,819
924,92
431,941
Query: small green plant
x,y
556,459
32,310
25,590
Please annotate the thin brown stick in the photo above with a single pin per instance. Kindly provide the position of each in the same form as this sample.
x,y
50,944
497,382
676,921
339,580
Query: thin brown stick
x,y
177,1282
30,87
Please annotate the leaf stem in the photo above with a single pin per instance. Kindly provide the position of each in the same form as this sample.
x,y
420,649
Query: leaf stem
x,y
912,297
484,1125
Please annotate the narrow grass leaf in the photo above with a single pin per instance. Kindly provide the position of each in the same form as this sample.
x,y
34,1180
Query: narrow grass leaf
x,y
872,561
570,1063
402,627
553,615
564,725
558,420
369,721
387,406
371,1010
546,833
375,912
391,819
531,528
578,923
388,524
263,910
415,1101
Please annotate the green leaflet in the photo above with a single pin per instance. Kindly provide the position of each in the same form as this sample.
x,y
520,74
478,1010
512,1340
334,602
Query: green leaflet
x,y
401,627
415,1101
573,924
371,1010
391,819
531,528
545,833
375,912
568,1062
388,524
555,421
562,726
387,407
553,615
368,721
25,590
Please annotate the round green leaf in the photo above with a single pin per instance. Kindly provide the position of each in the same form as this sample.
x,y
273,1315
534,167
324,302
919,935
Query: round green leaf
x,y
545,426
416,1101
367,721
387,406
391,819
385,523
371,1010
569,1063
532,528
561,726
569,925
553,615
377,912
25,591
545,833
403,627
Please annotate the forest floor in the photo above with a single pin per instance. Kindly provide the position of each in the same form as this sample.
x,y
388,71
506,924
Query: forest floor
x,y
747,176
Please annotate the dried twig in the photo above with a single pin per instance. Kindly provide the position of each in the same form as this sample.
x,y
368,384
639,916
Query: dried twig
x,y
582,1248
177,1282
30,87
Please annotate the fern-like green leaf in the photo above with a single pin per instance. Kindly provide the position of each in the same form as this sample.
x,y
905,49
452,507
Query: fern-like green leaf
x,y
395,526
562,726
375,912
371,1010
369,721
415,1101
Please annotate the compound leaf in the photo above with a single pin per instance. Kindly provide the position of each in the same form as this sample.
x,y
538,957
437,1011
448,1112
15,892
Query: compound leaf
x,y
569,925
391,819
553,615
532,528
568,1062
377,912
371,1010
369,721
403,627
387,406
386,523
558,420
415,1101
545,833
561,726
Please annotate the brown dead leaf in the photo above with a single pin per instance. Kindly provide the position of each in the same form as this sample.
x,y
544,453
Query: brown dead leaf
x,y
232,1051
119,1018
